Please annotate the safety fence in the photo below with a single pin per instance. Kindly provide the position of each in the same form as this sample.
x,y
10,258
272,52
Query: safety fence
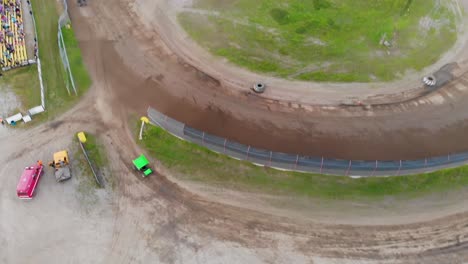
x,y
36,55
292,162
92,166
64,19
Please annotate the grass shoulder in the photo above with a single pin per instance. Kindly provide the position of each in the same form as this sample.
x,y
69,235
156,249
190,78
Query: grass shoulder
x,y
97,156
78,69
194,163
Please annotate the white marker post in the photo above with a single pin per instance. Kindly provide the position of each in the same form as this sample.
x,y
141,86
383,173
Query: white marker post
x,y
144,120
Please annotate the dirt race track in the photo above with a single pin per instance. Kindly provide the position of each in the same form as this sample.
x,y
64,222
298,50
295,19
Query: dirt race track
x,y
131,36
154,220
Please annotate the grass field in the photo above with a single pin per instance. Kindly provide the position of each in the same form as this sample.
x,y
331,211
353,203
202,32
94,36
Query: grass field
x,y
25,84
191,162
87,185
95,151
57,98
325,40
96,154
79,71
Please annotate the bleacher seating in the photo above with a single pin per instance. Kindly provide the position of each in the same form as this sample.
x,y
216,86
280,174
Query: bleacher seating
x,y
12,36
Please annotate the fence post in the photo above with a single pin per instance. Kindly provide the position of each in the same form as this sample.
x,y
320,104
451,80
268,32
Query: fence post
x,y
271,155
140,136
297,160
321,166
349,167
248,149
399,169
203,139
225,141
375,168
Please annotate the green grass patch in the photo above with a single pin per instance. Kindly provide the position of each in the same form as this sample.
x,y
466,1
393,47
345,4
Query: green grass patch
x,y
96,155
57,98
95,150
87,186
191,162
24,82
78,69
342,39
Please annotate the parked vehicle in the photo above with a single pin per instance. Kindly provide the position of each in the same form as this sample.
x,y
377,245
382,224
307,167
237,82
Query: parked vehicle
x,y
28,181
61,164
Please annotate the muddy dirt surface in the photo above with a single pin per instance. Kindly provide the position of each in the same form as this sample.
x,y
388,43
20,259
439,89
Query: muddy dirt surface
x,y
154,220
152,74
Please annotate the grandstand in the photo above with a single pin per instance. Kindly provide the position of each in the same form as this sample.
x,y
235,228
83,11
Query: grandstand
x,y
12,35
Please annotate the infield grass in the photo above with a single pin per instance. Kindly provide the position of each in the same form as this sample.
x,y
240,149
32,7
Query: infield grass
x,y
194,163
325,40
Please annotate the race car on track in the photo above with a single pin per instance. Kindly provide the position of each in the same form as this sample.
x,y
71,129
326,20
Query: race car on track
x,y
141,164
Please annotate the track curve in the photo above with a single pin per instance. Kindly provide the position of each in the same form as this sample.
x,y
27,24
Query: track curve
x,y
433,125
155,220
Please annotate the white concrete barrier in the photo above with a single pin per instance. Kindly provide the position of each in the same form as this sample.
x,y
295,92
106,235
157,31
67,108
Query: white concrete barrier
x,y
15,118
36,110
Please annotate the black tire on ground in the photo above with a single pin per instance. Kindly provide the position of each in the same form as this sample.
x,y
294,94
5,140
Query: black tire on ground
x,y
259,87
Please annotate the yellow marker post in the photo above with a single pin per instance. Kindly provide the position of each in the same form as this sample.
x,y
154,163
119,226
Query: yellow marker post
x,y
81,137
144,120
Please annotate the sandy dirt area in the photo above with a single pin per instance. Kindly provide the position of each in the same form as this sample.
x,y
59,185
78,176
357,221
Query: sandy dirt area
x,y
8,103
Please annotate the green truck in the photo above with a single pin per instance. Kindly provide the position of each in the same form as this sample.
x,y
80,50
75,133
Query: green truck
x,y
141,164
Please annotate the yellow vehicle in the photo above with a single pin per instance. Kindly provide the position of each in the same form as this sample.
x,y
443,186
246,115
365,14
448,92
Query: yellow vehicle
x,y
61,164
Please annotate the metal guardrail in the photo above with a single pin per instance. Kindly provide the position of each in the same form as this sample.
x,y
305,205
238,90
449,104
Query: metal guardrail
x,y
97,176
294,162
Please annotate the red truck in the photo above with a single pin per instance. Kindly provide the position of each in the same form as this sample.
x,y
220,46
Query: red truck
x,y
28,181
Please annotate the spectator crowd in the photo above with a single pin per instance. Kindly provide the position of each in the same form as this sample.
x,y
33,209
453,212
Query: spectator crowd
x,y
12,35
